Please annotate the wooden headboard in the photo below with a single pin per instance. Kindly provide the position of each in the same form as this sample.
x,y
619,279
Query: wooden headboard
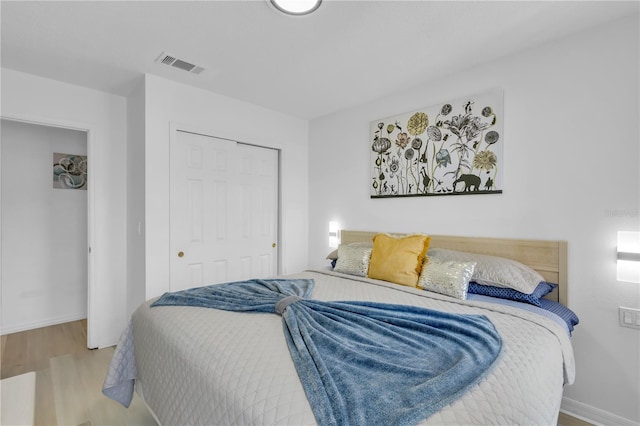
x,y
547,257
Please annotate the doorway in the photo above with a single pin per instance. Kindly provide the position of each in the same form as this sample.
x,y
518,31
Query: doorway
x,y
45,227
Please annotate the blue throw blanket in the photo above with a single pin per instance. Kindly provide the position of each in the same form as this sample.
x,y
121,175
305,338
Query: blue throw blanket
x,y
364,363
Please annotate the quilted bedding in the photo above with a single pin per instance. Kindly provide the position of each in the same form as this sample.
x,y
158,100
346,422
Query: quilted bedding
x,y
207,366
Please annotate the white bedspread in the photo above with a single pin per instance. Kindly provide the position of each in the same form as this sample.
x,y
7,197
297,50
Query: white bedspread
x,y
213,367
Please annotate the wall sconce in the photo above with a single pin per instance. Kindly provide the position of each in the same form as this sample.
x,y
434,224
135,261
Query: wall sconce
x,y
334,234
629,256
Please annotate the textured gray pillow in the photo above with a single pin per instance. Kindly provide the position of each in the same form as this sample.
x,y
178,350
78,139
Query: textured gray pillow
x,y
353,260
446,277
493,270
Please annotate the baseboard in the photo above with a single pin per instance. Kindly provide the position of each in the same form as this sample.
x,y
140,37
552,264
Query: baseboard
x,y
44,323
593,415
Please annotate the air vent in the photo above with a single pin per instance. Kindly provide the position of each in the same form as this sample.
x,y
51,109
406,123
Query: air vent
x,y
171,60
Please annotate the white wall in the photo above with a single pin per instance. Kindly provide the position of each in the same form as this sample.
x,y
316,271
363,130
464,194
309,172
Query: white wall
x,y
136,288
571,161
44,230
194,109
37,99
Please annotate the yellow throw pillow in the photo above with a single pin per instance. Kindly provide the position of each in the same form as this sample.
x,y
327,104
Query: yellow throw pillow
x,y
398,260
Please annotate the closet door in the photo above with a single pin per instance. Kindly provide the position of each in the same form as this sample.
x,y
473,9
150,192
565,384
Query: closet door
x,y
224,211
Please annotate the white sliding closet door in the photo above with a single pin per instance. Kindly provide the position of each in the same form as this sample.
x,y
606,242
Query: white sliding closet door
x,y
224,211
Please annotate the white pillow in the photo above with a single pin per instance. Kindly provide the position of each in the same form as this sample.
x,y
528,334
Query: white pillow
x,y
446,277
333,255
353,260
493,270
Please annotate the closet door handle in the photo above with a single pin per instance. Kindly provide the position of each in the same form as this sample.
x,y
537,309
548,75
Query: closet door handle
x,y
180,254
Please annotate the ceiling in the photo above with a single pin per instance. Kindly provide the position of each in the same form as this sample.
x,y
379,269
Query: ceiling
x,y
344,54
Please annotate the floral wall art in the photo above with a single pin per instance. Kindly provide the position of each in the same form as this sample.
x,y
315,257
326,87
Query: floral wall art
x,y
69,171
453,148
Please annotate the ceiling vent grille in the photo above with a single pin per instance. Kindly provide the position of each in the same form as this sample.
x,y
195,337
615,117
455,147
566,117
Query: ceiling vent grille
x,y
172,61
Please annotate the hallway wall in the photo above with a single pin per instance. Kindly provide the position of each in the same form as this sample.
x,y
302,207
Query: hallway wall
x,y
44,230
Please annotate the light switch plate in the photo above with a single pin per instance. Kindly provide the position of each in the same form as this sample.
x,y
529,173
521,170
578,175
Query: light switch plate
x,y
629,317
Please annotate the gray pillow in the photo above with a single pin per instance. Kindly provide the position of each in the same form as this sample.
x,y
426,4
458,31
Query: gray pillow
x,y
493,270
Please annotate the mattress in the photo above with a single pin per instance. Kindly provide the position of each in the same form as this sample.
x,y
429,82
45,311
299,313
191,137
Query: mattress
x,y
208,366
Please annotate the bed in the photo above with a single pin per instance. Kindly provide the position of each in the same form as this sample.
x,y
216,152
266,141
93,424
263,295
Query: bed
x,y
211,366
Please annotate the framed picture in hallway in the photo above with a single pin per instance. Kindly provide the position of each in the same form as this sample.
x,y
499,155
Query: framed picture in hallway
x,y
69,171
452,148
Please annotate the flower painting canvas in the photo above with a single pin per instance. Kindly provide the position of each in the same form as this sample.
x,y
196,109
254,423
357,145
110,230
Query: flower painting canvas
x,y
452,148
69,171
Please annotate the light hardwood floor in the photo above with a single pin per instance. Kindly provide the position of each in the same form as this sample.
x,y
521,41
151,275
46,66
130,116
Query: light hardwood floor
x,y
69,377
567,420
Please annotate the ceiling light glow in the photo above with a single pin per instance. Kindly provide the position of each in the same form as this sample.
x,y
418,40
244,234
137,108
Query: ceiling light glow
x,y
296,7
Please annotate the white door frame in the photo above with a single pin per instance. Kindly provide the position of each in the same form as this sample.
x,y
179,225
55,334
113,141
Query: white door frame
x,y
92,338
